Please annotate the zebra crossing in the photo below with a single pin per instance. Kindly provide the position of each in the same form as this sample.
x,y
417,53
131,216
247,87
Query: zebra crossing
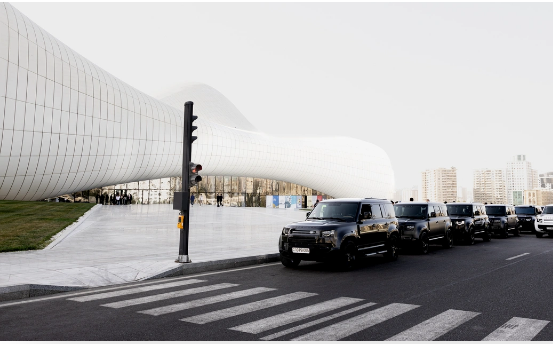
x,y
352,315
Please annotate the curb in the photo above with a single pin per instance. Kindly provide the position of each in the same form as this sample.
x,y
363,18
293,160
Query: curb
x,y
67,231
24,291
187,269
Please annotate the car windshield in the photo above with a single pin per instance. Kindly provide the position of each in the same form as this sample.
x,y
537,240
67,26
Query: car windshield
x,y
525,211
339,211
411,210
495,210
548,210
459,210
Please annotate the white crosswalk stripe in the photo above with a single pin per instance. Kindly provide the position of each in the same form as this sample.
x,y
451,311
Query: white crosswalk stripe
x,y
246,308
358,323
205,301
435,327
165,296
517,329
318,321
295,315
107,295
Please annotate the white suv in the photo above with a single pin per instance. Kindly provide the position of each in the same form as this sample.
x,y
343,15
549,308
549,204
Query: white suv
x,y
545,222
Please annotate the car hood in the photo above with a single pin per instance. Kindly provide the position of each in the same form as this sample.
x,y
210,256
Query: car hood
x,y
405,220
491,217
317,225
459,218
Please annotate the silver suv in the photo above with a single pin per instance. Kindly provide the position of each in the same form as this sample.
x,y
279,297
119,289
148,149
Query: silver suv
x,y
545,222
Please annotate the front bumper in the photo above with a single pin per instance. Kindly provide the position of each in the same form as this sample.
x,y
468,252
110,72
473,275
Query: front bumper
x,y
528,225
545,227
317,251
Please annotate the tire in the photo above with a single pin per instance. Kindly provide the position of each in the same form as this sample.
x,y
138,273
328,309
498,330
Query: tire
x,y
516,232
349,256
392,249
470,236
423,243
289,263
487,236
505,232
539,235
448,239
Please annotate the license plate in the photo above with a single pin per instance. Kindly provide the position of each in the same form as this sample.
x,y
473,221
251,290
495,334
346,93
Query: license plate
x,y
300,250
550,228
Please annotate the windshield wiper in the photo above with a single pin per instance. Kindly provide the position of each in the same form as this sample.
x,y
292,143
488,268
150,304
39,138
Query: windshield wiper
x,y
333,218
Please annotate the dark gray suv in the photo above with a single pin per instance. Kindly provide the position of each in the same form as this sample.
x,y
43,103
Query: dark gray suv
x,y
527,217
469,221
422,223
341,230
503,219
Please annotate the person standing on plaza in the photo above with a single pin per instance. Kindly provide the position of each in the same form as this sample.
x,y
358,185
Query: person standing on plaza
x,y
102,199
125,199
201,199
218,200
130,198
117,199
111,199
192,198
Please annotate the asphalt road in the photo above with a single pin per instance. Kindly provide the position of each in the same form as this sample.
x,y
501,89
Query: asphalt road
x,y
464,293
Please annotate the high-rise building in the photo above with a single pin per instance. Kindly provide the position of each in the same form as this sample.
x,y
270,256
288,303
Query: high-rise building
x,y
519,176
546,180
464,195
489,186
407,194
439,185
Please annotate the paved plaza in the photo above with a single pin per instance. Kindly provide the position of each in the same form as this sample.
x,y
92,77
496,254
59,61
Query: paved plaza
x,y
118,244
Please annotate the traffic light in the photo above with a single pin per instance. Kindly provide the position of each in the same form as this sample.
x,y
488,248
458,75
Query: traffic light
x,y
194,177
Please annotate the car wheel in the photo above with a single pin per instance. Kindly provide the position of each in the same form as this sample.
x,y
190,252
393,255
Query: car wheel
x,y
448,239
470,236
487,235
423,243
539,235
349,256
289,262
392,251
516,232
505,232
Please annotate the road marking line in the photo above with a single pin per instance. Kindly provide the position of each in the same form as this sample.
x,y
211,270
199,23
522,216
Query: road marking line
x,y
315,322
517,329
361,322
165,296
134,290
520,255
247,308
128,285
205,301
295,315
435,327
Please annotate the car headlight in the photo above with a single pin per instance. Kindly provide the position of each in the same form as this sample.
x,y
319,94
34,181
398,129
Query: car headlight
x,y
328,234
410,227
285,231
460,222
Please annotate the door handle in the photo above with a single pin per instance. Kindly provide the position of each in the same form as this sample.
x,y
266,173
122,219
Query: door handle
x,y
437,221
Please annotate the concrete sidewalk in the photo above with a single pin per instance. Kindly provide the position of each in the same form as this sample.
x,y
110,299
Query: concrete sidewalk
x,y
119,244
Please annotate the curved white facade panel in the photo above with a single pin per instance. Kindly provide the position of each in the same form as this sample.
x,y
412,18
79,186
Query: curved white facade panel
x,y
68,126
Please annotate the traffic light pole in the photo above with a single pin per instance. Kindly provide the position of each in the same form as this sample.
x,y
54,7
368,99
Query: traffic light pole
x,y
185,207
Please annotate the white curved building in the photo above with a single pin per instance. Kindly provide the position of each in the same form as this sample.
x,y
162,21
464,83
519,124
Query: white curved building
x,y
67,125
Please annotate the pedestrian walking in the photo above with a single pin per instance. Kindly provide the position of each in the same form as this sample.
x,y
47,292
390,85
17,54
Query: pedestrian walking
x,y
192,198
125,198
218,200
201,199
102,199
96,198
117,199
111,199
130,198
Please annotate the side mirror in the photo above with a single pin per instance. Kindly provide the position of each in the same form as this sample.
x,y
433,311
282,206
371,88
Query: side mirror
x,y
307,215
433,214
477,213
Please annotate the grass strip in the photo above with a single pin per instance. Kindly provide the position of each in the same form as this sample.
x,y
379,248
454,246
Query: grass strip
x,y
28,225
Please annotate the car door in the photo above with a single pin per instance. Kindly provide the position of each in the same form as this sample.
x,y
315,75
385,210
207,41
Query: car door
x,y
387,218
368,228
434,222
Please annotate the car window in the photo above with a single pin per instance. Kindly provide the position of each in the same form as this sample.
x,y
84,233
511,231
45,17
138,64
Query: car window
x,y
444,210
377,214
482,210
391,212
365,208
431,210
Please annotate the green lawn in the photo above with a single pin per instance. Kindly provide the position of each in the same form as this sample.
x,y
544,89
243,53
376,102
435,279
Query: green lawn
x,y
31,225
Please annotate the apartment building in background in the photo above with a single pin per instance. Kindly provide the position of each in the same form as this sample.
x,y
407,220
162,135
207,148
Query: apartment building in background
x,y
519,176
546,180
439,185
489,186
538,196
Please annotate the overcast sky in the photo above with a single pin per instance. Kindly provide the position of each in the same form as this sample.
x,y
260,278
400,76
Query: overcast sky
x,y
435,85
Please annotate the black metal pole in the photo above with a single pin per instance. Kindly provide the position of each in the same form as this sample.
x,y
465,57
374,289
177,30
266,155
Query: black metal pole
x,y
185,208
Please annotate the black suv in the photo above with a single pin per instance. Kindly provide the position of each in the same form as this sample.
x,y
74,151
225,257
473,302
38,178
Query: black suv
x,y
469,221
341,230
502,219
527,220
421,223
